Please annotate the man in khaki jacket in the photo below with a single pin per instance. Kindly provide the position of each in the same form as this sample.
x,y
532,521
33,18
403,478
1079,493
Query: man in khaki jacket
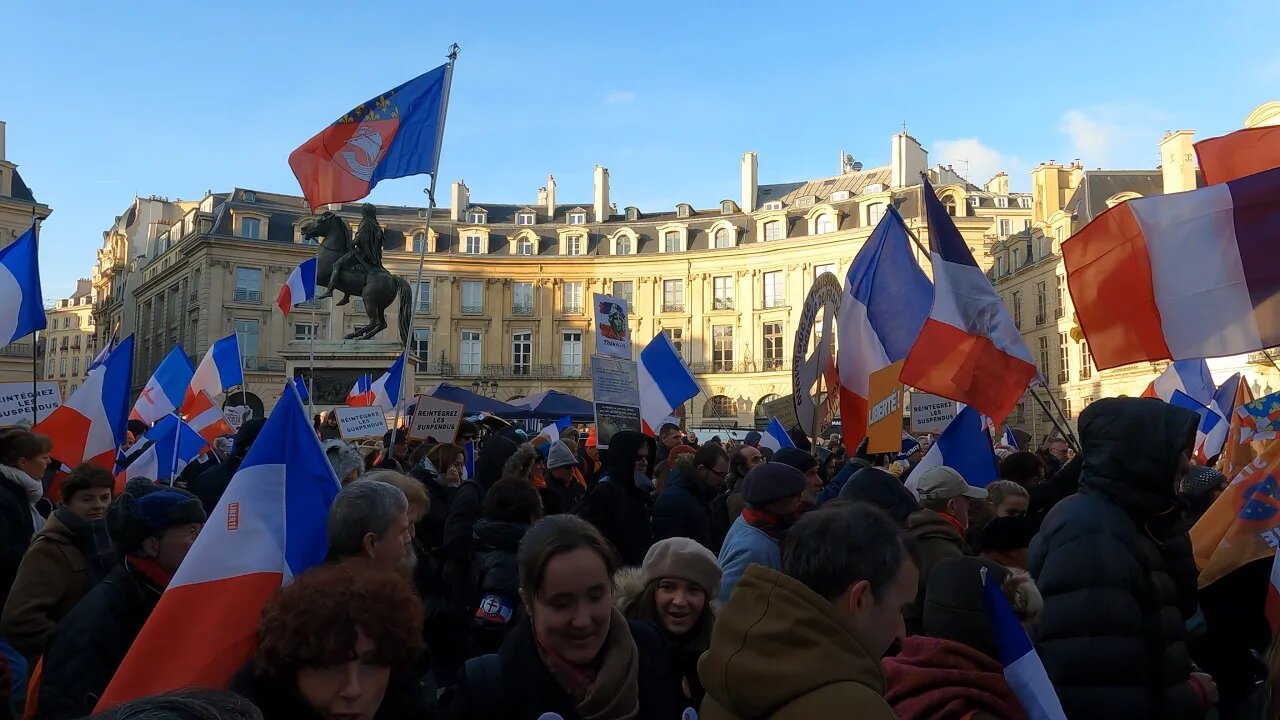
x,y
806,642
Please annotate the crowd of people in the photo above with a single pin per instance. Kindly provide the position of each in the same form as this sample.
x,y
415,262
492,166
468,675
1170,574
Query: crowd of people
x,y
660,577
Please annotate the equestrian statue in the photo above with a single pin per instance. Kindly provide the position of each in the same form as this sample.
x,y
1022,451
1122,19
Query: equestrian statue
x,y
354,267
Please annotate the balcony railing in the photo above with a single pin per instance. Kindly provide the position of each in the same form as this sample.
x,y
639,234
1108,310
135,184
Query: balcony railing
x,y
522,310
472,309
573,308
1063,377
247,295
673,307
263,364
739,366
773,303
536,371
722,304
16,350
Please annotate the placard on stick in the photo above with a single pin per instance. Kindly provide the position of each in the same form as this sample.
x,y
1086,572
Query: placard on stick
x,y
931,413
435,418
361,422
15,401
611,419
884,410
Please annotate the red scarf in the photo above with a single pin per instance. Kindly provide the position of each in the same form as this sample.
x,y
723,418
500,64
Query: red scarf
x,y
953,522
149,569
767,522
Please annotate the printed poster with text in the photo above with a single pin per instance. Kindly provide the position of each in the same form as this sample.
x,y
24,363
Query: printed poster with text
x,y
884,410
615,389
613,333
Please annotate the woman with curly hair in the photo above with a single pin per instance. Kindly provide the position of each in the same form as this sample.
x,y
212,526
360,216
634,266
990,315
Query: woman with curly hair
x,y
339,641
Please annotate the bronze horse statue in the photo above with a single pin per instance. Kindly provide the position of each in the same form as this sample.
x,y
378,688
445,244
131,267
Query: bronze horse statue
x,y
377,287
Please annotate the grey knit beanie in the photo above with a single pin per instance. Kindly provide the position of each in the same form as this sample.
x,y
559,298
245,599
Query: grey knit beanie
x,y
343,458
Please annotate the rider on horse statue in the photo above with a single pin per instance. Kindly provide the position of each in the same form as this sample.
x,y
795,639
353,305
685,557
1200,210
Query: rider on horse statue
x,y
366,249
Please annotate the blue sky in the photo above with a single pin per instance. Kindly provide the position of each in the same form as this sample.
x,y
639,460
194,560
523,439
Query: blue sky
x,y
107,100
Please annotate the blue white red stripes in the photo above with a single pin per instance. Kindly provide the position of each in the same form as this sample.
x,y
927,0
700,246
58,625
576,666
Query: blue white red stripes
x,y
1190,376
1215,425
886,301
299,288
963,446
219,371
551,431
775,437
665,381
969,349
1023,669
165,389
361,392
269,526
163,451
21,302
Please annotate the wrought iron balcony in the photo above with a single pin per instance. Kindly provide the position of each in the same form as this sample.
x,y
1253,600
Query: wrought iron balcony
x,y
472,309
247,295
673,307
722,304
522,310
532,371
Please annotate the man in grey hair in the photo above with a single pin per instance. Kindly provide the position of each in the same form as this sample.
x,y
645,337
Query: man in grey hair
x,y
370,519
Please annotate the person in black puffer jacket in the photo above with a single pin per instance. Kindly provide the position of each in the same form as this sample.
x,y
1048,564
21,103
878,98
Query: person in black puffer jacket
x,y
618,505
1113,563
510,507
683,509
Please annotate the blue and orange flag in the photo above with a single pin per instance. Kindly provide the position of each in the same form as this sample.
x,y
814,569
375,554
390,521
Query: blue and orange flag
x,y
393,135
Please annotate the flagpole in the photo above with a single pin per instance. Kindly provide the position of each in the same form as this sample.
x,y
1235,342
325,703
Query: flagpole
x,y
416,291
35,378
311,369
1071,436
1064,429
177,437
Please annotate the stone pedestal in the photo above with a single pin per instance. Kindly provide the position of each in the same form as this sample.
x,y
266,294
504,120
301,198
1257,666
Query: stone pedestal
x,y
338,364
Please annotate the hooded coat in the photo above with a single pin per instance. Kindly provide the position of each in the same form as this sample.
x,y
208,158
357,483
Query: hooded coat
x,y
1111,563
18,522
617,505
781,651
494,596
683,509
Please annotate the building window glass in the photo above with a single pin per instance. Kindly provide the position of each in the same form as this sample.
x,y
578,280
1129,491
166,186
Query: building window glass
x,y
1044,356
577,218
1064,355
724,239
572,297
722,348
722,292
575,245
306,331
75,366
525,219
522,298
1004,227
1017,309
476,217
248,284
1041,301
824,224
773,230
472,297
571,354
1060,284
62,367
471,244
421,344
671,241
419,242
720,406
819,269
624,291
773,346
250,227
622,246
522,353
875,211
1086,361
469,352
424,296
247,338
676,336
773,295
524,246
672,296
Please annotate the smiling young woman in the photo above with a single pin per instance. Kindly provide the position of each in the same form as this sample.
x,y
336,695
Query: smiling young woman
x,y
574,655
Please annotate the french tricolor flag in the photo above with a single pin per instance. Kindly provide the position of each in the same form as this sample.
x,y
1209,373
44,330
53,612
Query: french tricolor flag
x,y
963,446
163,451
886,302
968,349
219,371
1180,276
90,426
1215,425
299,288
361,393
665,382
1191,377
383,392
775,437
20,294
551,431
268,527
204,415
165,389
1023,669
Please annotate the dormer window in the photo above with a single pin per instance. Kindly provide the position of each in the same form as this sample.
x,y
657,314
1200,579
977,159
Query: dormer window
x,y
975,201
250,228
622,245
577,218
476,217
1024,202
774,205
524,246
874,188
632,214
1002,201
805,202
575,245
472,244
840,196
727,207
670,241
724,238
684,210
525,218
250,196
824,224
419,241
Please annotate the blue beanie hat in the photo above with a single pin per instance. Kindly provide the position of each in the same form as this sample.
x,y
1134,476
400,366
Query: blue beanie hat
x,y
140,514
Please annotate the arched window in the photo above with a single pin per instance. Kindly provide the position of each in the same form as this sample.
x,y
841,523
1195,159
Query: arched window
x,y
623,245
720,406
824,224
762,415
723,238
419,239
524,246
949,203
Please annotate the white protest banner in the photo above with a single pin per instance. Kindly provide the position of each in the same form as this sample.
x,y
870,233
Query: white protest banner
x,y
236,415
613,334
614,380
15,401
931,413
361,422
435,418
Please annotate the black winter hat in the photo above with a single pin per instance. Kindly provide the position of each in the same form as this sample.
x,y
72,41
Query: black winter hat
x,y
796,458
772,481
143,512
1008,533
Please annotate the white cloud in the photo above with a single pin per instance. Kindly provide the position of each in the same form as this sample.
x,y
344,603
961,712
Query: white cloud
x,y
1115,135
978,162
620,97
1091,136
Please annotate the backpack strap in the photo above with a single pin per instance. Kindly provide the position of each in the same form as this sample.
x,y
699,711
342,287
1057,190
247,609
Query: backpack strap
x,y
485,688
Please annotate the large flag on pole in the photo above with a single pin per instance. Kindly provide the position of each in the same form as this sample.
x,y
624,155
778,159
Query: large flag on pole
x,y
393,135
1190,376
886,302
1235,155
164,391
969,349
219,371
90,426
665,382
21,303
1187,275
299,288
383,392
268,527
162,452
963,446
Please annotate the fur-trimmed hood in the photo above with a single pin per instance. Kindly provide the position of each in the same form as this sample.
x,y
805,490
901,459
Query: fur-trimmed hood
x,y
628,586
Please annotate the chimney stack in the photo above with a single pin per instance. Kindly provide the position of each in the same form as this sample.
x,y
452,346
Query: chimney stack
x,y
551,196
600,200
749,181
459,199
